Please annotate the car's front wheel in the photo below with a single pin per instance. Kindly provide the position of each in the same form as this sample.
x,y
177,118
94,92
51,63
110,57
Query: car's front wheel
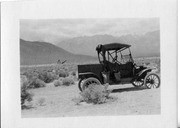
x,y
86,82
152,80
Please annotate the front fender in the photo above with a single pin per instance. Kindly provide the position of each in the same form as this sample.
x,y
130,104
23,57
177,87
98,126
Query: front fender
x,y
143,73
87,75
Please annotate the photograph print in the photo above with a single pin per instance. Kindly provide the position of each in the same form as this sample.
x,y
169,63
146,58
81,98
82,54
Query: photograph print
x,y
90,67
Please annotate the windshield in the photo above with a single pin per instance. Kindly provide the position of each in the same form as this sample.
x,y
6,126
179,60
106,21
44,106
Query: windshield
x,y
126,56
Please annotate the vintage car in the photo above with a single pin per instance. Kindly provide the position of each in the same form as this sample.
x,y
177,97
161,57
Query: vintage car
x,y
116,67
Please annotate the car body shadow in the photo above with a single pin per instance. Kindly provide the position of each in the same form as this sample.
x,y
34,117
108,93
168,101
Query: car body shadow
x,y
128,89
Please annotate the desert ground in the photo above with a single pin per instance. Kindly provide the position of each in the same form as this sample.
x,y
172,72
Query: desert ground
x,y
60,101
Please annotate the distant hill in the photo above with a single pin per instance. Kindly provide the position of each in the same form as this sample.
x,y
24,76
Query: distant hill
x,y
81,49
146,45
33,53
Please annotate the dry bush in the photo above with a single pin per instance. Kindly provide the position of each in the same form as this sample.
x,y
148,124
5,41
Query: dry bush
x,y
96,94
23,79
63,74
25,94
48,76
37,83
61,78
73,73
57,83
32,77
68,81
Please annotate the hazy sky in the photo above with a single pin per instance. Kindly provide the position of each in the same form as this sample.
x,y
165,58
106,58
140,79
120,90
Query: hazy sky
x,y
55,30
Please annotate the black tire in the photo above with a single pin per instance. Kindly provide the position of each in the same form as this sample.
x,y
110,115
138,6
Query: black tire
x,y
88,82
79,84
137,84
152,80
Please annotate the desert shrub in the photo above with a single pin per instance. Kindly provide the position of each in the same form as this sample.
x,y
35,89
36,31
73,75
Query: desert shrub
x,y
25,95
47,77
57,83
63,74
61,79
68,81
31,75
96,94
73,73
24,79
37,83
43,76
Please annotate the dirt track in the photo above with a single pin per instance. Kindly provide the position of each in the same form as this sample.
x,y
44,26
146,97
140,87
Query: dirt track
x,y
126,100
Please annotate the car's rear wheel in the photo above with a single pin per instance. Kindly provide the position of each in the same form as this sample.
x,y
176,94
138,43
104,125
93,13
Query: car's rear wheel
x,y
152,80
80,84
85,83
138,83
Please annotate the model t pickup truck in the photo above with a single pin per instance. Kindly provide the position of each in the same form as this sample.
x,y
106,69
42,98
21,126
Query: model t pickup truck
x,y
116,66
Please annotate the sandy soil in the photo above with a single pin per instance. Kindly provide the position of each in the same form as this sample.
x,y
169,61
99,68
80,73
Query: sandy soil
x,y
125,100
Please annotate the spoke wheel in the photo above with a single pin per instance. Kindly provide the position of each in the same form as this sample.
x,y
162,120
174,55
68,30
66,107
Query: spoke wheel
x,y
152,80
138,83
89,81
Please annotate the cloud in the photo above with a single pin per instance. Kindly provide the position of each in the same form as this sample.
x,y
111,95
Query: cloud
x,y
55,30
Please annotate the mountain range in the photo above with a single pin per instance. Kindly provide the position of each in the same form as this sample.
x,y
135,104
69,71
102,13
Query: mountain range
x,y
141,45
82,49
35,53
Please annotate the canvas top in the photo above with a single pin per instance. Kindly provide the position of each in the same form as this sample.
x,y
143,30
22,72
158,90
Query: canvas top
x,y
112,46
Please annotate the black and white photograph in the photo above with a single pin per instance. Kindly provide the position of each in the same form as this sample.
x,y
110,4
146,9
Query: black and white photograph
x,y
90,67
89,63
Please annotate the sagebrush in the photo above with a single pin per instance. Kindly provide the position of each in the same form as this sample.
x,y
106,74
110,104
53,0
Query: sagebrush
x,y
47,76
25,94
57,83
49,73
36,83
63,74
96,94
68,81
